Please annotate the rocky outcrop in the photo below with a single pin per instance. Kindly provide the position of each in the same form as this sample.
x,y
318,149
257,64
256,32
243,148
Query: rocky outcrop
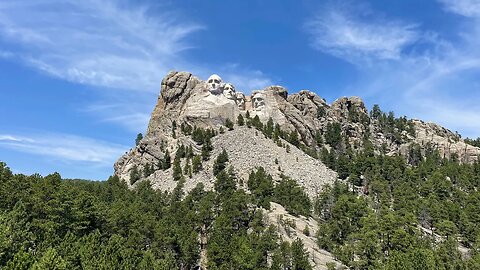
x,y
186,99
447,143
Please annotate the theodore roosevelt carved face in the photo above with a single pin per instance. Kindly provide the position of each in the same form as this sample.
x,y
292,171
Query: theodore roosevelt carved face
x,y
240,98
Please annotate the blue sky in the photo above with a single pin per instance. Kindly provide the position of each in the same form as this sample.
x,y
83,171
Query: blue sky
x,y
79,79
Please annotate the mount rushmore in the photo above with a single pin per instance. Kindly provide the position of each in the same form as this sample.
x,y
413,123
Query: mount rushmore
x,y
216,86
187,100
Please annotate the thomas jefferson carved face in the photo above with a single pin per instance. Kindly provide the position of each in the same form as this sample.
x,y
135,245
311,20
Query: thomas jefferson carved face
x,y
229,91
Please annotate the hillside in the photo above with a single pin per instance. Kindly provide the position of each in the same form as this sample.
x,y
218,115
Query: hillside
x,y
222,180
186,102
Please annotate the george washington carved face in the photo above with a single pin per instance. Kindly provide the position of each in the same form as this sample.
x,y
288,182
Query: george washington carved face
x,y
213,84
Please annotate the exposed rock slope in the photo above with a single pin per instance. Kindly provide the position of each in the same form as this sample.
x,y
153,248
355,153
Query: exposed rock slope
x,y
186,99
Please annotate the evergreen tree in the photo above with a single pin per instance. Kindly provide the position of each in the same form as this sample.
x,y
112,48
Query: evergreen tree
x,y
220,163
299,256
255,122
269,127
166,160
333,134
134,175
289,194
196,164
206,148
50,261
187,170
293,138
138,139
375,113
240,120
261,186
229,124
177,170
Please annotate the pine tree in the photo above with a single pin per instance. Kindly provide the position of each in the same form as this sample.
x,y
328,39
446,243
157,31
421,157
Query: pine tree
x,y
220,163
257,123
319,138
229,124
166,160
138,139
299,256
269,128
375,112
333,134
187,170
206,148
177,170
240,120
134,175
293,138
50,260
196,164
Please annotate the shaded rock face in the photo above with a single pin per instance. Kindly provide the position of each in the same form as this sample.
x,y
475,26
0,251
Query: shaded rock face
x,y
186,99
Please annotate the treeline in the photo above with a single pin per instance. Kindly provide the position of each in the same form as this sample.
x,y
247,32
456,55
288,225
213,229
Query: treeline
x,y
401,213
50,223
473,142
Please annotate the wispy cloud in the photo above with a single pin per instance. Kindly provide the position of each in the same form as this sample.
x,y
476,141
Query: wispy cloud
x,y
109,44
131,113
95,42
439,83
350,36
243,78
468,8
65,148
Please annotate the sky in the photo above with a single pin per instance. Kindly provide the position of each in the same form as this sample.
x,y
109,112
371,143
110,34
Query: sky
x,y
79,79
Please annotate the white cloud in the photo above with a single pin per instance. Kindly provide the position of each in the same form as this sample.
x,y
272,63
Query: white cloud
x,y
438,81
244,79
95,42
101,43
467,8
339,32
10,138
132,114
65,148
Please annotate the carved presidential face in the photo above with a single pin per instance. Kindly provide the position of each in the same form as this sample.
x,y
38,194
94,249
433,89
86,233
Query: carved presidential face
x,y
229,91
240,98
258,101
213,83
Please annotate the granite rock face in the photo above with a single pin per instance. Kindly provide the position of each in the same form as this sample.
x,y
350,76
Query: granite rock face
x,y
186,99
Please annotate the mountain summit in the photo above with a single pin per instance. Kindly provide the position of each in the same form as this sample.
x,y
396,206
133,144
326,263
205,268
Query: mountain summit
x,y
298,129
272,144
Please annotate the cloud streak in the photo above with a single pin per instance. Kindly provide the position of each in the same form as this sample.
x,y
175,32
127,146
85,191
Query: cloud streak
x,y
104,44
438,82
350,37
467,8
65,148
95,42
